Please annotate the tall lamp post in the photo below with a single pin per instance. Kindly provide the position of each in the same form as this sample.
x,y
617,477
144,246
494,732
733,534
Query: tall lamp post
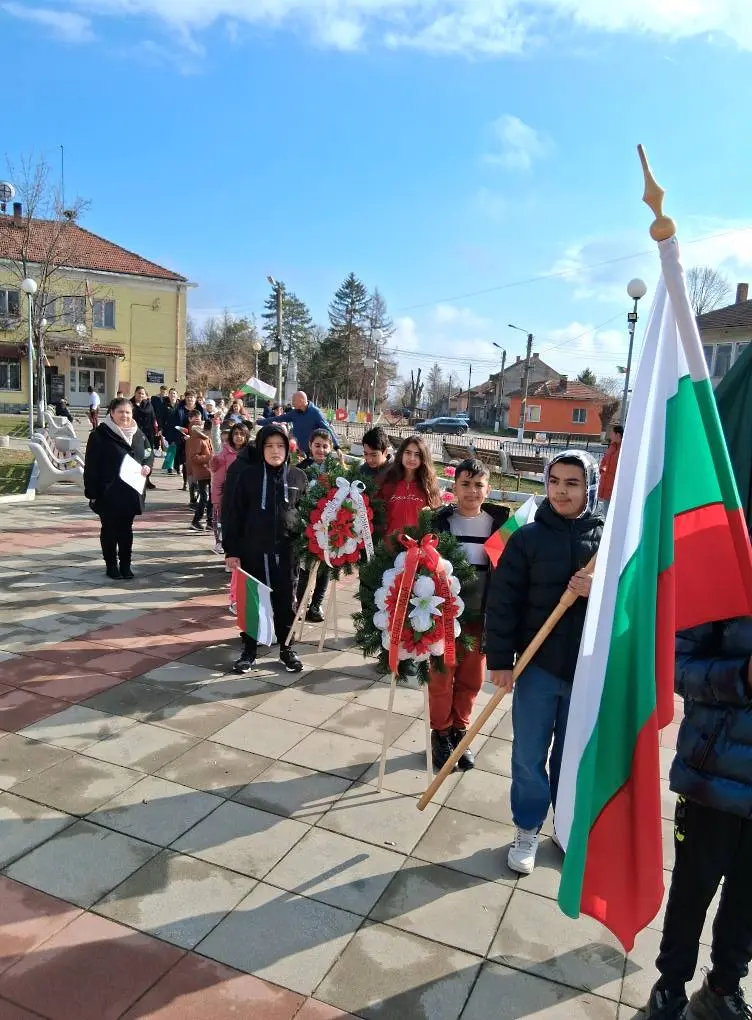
x,y
29,287
526,381
376,337
278,291
255,347
636,289
500,389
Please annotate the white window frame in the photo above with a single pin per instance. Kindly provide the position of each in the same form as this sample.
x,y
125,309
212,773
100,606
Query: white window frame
x,y
530,416
99,313
5,311
74,309
575,419
5,376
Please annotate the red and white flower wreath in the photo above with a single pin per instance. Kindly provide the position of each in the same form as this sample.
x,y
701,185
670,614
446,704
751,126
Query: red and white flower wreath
x,y
340,526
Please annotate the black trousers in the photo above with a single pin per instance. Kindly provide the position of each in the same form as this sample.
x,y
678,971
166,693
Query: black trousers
x,y
277,570
203,505
116,539
319,590
710,845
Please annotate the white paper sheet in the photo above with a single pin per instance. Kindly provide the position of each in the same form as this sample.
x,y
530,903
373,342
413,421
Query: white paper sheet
x,y
130,473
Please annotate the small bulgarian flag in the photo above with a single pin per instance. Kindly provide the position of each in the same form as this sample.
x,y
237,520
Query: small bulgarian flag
x,y
675,553
525,515
254,604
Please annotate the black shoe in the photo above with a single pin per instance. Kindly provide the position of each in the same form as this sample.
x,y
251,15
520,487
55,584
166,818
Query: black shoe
x,y
441,748
150,484
114,574
126,573
467,758
245,663
665,1003
185,488
407,669
708,1004
290,660
314,614
197,526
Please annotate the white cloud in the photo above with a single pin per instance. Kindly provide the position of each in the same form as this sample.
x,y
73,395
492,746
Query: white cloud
x,y
405,337
462,320
515,145
572,348
68,26
470,27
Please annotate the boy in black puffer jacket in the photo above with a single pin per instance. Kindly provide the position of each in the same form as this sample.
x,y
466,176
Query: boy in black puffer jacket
x,y
258,523
712,773
539,563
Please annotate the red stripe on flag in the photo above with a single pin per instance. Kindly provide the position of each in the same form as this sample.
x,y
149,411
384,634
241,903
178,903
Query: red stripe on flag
x,y
240,603
495,547
623,881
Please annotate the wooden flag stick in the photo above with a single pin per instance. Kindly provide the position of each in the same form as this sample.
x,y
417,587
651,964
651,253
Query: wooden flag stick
x,y
385,744
427,720
304,603
567,600
331,614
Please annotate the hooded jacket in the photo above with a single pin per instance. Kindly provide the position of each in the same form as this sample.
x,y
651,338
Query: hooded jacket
x,y
533,573
259,501
198,454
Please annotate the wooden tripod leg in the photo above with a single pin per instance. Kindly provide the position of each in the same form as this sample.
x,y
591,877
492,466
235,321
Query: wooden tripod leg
x,y
299,622
429,753
331,610
387,728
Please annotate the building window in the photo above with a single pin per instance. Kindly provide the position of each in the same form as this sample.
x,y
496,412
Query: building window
x,y
10,303
104,314
85,372
50,310
708,350
533,412
740,349
579,415
74,310
10,373
723,356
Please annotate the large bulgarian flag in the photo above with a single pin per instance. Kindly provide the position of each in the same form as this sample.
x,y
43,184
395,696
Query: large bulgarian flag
x,y
254,387
675,553
254,605
497,542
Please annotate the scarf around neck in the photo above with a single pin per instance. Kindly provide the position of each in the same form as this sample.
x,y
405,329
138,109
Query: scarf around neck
x,y
125,434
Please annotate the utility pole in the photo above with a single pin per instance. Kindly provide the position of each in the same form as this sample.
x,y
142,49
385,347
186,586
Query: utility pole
x,y
500,389
278,292
449,394
469,385
525,385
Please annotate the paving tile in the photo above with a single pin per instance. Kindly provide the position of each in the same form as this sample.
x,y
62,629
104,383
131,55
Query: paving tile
x,y
406,772
24,825
179,676
445,905
27,919
386,819
408,701
76,687
10,1011
337,870
334,753
215,768
246,692
262,734
385,973
280,937
127,663
363,723
131,699
474,846
178,899
92,968
199,989
328,683
82,863
22,668
354,663
536,937
315,1010
483,794
21,758
495,756
518,995
20,708
242,838
641,975
143,747
300,706
155,810
195,717
77,785
216,657
77,728
293,791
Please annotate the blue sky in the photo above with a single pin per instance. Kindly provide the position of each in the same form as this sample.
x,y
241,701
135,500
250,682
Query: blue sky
x,y
474,159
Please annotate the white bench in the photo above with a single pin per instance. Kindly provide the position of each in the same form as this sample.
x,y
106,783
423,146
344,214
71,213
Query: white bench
x,y
48,474
59,426
61,456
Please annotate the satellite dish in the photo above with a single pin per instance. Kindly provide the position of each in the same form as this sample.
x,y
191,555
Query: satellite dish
x,y
7,193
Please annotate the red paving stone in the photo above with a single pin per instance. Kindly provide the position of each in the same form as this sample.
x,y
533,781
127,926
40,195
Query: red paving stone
x,y
22,708
315,1010
75,688
9,1011
199,989
27,919
25,668
123,662
93,969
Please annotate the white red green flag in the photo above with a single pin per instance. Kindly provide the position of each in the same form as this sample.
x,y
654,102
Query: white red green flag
x,y
525,515
254,605
256,388
675,553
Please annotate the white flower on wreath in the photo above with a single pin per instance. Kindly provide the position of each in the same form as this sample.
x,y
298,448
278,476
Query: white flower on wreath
x,y
381,620
437,648
390,576
380,596
460,606
448,568
426,607
399,563
454,585
424,587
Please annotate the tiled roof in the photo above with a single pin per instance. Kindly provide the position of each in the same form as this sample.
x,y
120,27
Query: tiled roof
x,y
575,391
734,316
75,248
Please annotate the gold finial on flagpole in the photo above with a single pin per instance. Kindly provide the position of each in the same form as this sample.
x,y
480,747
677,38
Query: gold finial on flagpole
x,y
662,228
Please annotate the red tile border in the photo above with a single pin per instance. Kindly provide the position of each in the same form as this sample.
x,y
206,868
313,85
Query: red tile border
x,y
21,708
75,688
27,919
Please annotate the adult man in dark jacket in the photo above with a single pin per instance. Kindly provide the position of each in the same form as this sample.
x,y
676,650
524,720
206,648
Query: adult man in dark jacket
x,y
259,522
539,563
712,773
304,418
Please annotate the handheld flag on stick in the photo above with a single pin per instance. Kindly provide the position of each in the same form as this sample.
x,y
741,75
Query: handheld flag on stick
x,y
496,543
255,616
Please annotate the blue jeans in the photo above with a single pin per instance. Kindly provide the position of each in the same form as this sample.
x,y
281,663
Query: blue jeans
x,y
540,707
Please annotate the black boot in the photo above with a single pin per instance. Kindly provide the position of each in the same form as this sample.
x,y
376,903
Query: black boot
x,y
314,614
665,1003
113,573
246,662
290,660
709,1004
125,571
467,758
441,748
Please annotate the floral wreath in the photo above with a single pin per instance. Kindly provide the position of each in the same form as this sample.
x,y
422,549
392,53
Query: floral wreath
x,y
411,604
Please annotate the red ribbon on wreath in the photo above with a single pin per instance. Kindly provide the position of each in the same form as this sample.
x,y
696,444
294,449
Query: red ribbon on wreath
x,y
423,553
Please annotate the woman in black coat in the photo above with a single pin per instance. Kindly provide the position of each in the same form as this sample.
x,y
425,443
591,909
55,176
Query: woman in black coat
x,y
115,501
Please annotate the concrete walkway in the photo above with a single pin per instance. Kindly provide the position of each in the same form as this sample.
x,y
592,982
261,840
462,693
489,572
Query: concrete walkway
x,y
178,842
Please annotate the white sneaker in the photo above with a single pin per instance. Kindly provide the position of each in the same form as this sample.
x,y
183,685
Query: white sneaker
x,y
556,841
218,549
522,852
232,609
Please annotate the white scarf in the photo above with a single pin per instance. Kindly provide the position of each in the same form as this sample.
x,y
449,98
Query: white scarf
x,y
127,434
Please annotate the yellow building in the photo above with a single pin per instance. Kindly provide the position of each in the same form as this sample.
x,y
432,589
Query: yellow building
x,y
103,316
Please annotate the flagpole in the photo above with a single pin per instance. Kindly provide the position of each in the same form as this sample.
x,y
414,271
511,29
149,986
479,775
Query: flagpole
x,y
663,227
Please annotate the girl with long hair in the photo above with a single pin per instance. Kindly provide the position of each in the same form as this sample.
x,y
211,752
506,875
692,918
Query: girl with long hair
x,y
409,485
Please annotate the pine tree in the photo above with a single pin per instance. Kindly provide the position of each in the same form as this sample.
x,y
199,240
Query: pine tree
x,y
435,388
587,377
297,323
349,332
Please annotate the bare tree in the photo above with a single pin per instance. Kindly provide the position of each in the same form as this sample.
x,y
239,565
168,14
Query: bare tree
x,y
610,384
435,387
416,391
220,355
708,289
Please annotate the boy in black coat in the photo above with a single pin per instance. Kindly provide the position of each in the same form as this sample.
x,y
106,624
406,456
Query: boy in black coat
x,y
258,524
539,563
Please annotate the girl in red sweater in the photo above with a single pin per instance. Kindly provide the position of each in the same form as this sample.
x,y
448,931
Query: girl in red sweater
x,y
409,485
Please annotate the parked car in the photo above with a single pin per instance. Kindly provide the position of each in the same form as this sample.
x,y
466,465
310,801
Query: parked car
x,y
444,426
463,416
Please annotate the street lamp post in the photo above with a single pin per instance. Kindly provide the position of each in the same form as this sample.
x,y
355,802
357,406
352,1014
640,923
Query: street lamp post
x,y
41,387
526,381
29,287
500,389
636,289
255,347
278,290
376,337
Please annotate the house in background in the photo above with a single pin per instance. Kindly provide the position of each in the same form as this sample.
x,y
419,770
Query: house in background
x,y
481,405
725,332
108,317
561,408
